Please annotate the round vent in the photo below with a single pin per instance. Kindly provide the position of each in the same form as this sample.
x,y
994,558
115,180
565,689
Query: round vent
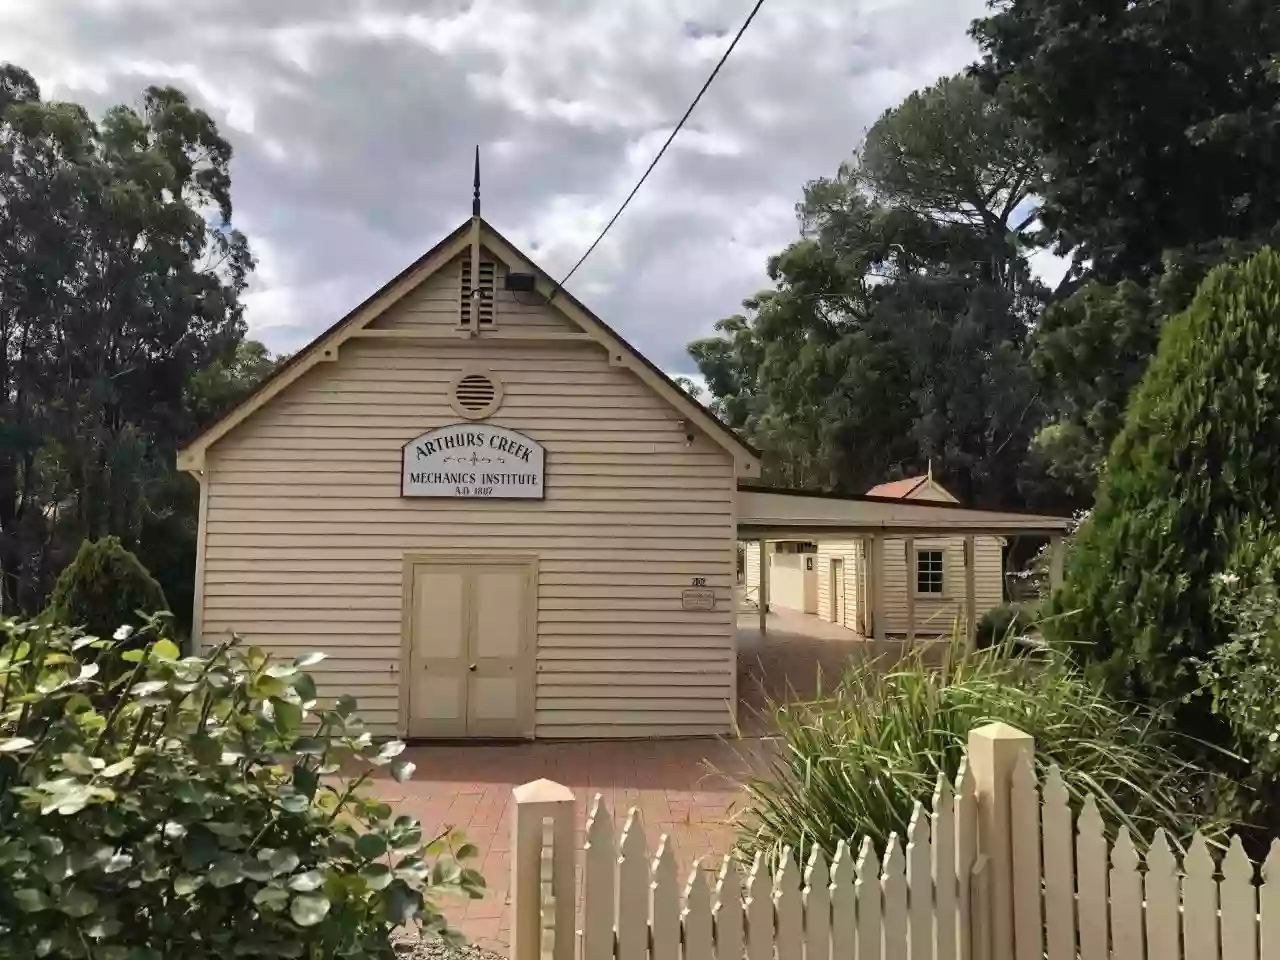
x,y
475,394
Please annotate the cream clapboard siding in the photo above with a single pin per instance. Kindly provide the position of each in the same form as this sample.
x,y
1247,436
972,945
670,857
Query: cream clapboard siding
x,y
938,617
850,552
751,573
306,531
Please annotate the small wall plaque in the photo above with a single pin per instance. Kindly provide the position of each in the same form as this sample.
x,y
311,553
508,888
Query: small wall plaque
x,y
698,598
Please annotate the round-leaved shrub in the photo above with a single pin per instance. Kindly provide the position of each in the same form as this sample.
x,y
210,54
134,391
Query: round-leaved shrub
x,y
198,807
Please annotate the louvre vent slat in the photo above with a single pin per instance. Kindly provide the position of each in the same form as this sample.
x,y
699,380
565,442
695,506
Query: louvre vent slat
x,y
487,285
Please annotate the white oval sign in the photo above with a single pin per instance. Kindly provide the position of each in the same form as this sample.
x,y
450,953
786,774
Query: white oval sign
x,y
473,460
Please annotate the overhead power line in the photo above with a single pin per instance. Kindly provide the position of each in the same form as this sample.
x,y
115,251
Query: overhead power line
x,y
643,177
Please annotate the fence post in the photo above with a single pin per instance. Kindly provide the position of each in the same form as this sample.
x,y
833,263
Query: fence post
x,y
993,753
534,802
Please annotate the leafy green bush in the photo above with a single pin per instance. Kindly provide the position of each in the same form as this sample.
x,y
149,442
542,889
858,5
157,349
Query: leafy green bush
x,y
1196,465
198,808
1242,676
104,587
1005,622
854,764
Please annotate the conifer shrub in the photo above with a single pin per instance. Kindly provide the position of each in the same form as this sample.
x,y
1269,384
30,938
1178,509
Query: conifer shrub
x,y
1193,477
105,587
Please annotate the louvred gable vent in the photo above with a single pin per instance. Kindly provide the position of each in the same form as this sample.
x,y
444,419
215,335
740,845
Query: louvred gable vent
x,y
475,393
467,296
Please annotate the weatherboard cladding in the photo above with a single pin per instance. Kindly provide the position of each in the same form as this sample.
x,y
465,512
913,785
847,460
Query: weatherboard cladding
x,y
305,528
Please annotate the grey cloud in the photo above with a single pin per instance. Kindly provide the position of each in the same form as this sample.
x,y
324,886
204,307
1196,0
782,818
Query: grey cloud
x,y
353,125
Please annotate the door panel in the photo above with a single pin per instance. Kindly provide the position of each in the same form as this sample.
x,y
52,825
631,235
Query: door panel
x,y
493,699
471,636
494,707
440,698
438,688
499,612
440,612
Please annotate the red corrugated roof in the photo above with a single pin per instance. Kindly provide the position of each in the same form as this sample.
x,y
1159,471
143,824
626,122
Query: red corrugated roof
x,y
900,489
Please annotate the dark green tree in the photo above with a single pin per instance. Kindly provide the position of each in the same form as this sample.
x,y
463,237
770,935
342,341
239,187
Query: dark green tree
x,y
1088,353
166,536
896,330
105,587
1192,481
120,280
1155,121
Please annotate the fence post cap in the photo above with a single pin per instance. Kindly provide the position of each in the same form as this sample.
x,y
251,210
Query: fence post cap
x,y
999,731
542,791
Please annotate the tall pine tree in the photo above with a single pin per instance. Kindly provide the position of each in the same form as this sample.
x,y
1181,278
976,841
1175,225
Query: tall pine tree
x,y
1192,479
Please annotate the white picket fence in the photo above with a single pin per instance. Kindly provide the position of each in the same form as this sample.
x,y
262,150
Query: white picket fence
x,y
1101,900
1001,868
906,906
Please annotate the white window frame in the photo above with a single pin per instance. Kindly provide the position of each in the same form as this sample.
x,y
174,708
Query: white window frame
x,y
945,592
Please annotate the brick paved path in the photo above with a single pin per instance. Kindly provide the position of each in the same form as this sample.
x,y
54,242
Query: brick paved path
x,y
469,787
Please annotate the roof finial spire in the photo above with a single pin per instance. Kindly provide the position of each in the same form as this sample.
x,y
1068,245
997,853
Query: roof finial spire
x,y
929,472
475,198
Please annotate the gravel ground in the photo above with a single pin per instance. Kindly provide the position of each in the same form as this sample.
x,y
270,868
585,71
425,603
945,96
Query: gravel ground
x,y
436,949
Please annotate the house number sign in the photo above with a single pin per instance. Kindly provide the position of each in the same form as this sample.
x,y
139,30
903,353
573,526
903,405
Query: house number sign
x,y
469,460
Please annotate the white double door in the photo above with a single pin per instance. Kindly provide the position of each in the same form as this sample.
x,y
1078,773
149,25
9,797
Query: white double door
x,y
470,644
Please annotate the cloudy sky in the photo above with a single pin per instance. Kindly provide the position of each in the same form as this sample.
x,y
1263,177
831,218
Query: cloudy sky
x,y
354,121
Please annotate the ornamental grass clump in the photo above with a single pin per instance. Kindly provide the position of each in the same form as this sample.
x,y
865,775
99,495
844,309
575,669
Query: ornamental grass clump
x,y
854,763
198,807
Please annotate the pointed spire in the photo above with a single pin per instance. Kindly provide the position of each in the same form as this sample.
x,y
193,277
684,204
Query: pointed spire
x,y
475,198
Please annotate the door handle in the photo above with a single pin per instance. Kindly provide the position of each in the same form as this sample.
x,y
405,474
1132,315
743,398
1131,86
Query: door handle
x,y
472,668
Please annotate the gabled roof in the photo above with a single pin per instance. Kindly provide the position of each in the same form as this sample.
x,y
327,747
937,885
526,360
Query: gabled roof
x,y
898,488
325,347
914,488
776,513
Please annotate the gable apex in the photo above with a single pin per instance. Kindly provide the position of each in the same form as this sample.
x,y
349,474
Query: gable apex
x,y
325,347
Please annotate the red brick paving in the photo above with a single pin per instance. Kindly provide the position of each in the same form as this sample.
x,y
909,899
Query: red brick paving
x,y
673,783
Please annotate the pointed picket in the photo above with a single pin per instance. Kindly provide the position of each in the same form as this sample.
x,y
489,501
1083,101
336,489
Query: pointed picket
x,y
1239,899
632,916
696,917
844,905
980,933
920,905
1024,812
759,912
867,892
728,917
944,868
1199,902
599,862
1161,886
817,907
966,807
1059,868
664,902
788,908
1091,883
1269,904
894,884
1126,899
